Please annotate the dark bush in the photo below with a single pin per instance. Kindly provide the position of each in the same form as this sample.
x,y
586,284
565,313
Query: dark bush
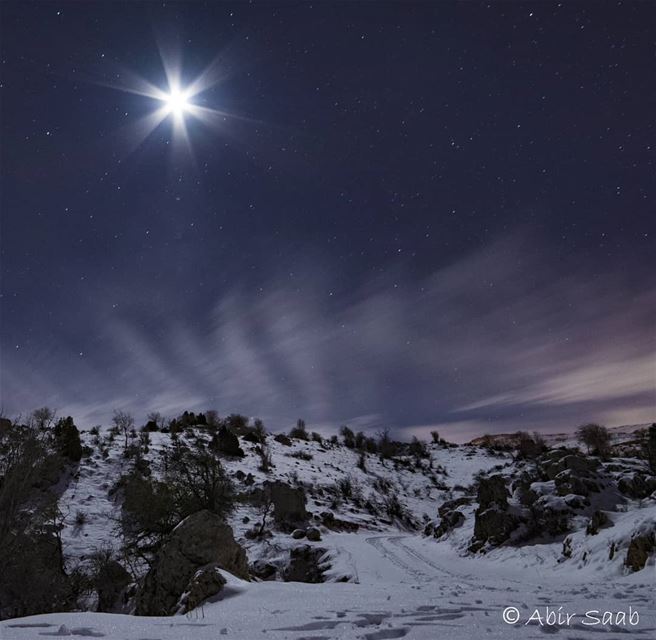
x,y
67,438
299,431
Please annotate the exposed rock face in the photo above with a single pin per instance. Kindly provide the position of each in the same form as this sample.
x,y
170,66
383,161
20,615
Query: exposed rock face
x,y
33,579
111,580
491,491
201,539
494,526
640,548
297,534
204,584
304,565
494,522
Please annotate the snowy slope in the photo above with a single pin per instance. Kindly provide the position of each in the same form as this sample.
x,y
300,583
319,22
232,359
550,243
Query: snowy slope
x,y
400,583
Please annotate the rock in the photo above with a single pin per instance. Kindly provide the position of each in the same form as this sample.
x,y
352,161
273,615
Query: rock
x,y
304,565
327,517
33,580
297,534
568,482
245,520
288,504
250,480
331,522
637,486
599,520
226,442
110,582
640,548
451,505
491,491
199,540
263,570
494,525
313,534
558,461
205,583
450,520
550,517
239,475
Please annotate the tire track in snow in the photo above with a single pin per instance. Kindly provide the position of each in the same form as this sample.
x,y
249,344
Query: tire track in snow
x,y
377,542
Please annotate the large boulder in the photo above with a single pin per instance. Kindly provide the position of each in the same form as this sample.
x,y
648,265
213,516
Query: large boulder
x,y
226,442
640,548
201,539
288,504
304,565
32,578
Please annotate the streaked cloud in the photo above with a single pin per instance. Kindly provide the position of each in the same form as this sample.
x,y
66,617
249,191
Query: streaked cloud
x,y
504,338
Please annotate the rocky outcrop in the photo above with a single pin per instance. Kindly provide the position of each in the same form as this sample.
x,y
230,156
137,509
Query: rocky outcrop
x,y
491,491
305,565
33,579
559,460
226,442
640,548
203,540
637,486
494,522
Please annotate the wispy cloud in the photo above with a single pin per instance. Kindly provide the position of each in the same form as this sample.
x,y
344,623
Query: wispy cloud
x,y
504,338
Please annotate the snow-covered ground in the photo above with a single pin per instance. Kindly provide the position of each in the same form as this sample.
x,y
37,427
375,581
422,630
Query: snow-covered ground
x,y
401,584
407,586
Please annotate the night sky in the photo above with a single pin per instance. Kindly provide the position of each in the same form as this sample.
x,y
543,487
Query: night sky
x,y
411,216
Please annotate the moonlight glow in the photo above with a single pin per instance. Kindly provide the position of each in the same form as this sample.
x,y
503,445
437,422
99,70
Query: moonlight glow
x,y
180,102
177,103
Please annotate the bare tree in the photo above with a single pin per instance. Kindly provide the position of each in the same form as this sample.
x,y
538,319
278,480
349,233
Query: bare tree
x,y
157,418
42,418
124,423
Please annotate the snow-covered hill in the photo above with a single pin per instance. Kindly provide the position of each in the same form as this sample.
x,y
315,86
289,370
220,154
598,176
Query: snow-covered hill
x,y
384,576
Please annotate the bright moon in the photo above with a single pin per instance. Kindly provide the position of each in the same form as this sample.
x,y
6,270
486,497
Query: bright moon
x,y
177,103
